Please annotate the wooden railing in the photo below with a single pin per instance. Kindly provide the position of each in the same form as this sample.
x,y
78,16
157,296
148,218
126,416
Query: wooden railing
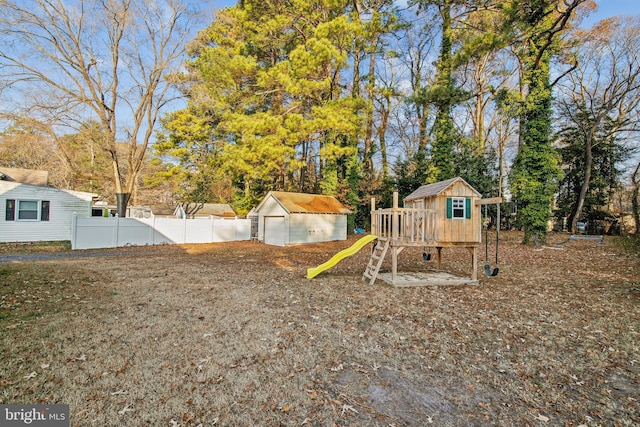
x,y
405,225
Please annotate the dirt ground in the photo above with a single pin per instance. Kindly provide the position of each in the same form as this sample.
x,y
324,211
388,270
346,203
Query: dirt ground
x,y
234,334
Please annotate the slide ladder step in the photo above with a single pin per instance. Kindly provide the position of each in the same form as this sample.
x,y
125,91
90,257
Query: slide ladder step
x,y
377,257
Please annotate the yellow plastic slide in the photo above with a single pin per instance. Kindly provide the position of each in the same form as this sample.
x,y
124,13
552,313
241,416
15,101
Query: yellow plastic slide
x,y
313,272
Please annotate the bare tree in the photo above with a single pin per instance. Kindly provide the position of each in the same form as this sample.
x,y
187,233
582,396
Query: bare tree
x,y
601,100
106,60
417,43
29,145
635,197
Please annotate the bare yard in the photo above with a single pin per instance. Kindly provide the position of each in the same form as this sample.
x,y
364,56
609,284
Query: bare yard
x,y
234,334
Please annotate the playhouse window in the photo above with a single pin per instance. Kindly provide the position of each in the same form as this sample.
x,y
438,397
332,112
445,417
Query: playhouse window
x,y
458,207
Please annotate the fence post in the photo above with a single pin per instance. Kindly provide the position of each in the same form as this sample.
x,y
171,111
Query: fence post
x,y
184,230
116,227
152,231
74,224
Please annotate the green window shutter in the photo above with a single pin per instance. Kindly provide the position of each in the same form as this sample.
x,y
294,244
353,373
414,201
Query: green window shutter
x,y
467,206
449,207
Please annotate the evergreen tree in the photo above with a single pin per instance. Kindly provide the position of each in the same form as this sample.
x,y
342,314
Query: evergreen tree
x,y
538,25
265,84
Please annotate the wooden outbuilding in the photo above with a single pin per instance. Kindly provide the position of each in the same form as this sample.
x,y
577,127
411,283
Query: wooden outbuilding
x,y
286,218
439,215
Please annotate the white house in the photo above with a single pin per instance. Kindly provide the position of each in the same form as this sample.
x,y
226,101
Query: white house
x,y
31,213
294,218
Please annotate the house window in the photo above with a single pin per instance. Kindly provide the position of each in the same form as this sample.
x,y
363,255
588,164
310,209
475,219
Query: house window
x,y
27,210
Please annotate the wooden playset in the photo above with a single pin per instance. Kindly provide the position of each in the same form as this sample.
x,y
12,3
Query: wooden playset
x,y
440,215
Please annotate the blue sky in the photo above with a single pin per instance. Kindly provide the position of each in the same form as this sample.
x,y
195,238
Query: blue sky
x,y
606,8
609,8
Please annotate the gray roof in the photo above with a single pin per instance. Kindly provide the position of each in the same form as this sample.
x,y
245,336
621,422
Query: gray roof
x,y
25,176
434,189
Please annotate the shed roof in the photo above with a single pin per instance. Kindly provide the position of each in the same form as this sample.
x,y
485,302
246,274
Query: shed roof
x,y
307,203
25,176
163,210
436,188
208,209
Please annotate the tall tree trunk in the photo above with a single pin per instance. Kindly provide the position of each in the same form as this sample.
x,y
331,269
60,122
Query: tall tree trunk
x,y
635,198
588,163
382,130
368,140
442,97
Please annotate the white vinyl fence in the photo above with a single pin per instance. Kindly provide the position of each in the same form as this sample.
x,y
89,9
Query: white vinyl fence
x,y
99,232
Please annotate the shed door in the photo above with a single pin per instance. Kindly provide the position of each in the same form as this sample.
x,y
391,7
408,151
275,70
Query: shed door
x,y
274,230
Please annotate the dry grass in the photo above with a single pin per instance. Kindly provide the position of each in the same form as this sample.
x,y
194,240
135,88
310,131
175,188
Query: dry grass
x,y
234,334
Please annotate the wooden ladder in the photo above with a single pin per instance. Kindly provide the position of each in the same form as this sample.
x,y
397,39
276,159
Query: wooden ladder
x,y
377,256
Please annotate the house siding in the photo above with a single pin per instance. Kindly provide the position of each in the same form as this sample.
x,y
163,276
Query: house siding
x,y
315,228
272,208
458,230
63,204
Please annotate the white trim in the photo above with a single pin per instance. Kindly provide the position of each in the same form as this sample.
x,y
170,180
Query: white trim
x,y
458,208
38,210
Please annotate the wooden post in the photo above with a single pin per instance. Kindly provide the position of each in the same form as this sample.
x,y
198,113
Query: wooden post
x,y
394,235
374,227
394,219
474,263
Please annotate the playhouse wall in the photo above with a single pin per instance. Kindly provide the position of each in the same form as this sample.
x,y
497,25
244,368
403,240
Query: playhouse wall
x,y
454,230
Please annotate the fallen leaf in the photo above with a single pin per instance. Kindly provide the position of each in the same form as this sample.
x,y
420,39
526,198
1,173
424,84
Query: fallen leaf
x,y
125,410
346,408
541,417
